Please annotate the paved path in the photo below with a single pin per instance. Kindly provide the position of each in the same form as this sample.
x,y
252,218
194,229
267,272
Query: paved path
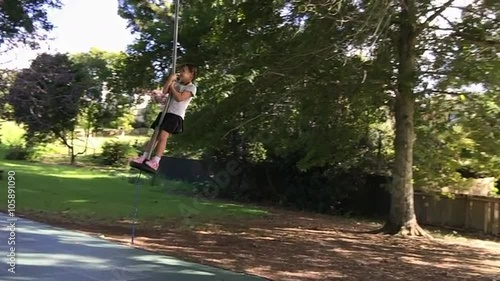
x,y
45,253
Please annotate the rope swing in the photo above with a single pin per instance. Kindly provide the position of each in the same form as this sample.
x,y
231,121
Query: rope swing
x,y
153,141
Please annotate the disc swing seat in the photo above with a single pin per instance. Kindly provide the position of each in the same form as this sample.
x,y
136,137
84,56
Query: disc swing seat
x,y
152,142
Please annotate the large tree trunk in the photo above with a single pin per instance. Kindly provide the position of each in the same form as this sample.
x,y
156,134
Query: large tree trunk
x,y
402,218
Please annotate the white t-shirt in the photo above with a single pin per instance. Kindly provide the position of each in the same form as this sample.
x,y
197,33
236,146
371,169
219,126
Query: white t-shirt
x,y
179,108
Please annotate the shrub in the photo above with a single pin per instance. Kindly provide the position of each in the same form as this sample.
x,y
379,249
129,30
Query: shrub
x,y
139,146
117,153
18,152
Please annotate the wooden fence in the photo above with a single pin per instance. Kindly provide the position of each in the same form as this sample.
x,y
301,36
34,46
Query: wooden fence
x,y
461,211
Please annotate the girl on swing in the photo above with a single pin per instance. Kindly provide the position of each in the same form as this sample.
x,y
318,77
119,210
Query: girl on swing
x,y
182,92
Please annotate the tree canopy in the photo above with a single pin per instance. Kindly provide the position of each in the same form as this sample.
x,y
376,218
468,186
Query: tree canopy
x,y
325,82
24,21
46,97
108,99
405,89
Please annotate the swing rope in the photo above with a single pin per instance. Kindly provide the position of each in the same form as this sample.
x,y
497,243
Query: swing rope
x,y
136,202
152,141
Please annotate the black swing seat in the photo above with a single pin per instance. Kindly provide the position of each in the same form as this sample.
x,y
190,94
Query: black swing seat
x,y
142,167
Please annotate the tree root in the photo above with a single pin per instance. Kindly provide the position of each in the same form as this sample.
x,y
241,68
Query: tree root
x,y
413,230
410,229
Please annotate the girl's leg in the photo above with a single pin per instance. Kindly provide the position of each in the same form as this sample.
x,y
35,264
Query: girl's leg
x,y
160,148
162,143
146,148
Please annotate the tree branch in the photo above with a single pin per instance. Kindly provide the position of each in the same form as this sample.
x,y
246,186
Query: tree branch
x,y
468,10
435,15
62,138
479,41
434,73
447,20
451,93
441,28
242,124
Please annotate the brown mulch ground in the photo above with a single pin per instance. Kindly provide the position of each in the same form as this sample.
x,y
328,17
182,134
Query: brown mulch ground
x,y
293,246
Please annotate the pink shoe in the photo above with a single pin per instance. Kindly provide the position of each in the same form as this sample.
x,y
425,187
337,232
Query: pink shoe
x,y
152,164
138,160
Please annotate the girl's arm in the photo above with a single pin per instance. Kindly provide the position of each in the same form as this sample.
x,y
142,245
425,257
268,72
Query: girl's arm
x,y
159,96
166,87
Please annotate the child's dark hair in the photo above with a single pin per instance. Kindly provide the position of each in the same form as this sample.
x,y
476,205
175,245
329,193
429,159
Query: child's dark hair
x,y
192,68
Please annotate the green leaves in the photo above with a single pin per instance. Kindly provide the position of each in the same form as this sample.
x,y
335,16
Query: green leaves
x,y
46,97
24,21
259,75
458,125
150,56
317,80
108,95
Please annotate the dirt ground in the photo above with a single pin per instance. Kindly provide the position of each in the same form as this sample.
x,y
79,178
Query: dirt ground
x,y
291,246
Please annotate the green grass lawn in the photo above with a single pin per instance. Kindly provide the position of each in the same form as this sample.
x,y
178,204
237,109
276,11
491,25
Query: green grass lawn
x,y
100,197
100,194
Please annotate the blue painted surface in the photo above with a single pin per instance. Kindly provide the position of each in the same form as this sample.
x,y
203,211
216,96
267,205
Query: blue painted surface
x,y
45,253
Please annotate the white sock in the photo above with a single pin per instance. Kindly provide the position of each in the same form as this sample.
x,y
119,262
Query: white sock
x,y
157,159
145,155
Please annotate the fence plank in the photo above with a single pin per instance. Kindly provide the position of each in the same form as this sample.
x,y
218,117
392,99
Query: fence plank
x,y
496,218
467,212
486,216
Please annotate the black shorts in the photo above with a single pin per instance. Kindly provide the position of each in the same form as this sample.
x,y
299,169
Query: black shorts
x,y
172,123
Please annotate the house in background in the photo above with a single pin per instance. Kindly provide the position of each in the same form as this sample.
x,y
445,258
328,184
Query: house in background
x,y
139,108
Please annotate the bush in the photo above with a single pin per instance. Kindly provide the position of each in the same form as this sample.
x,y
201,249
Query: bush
x,y
117,153
139,146
18,152
278,181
